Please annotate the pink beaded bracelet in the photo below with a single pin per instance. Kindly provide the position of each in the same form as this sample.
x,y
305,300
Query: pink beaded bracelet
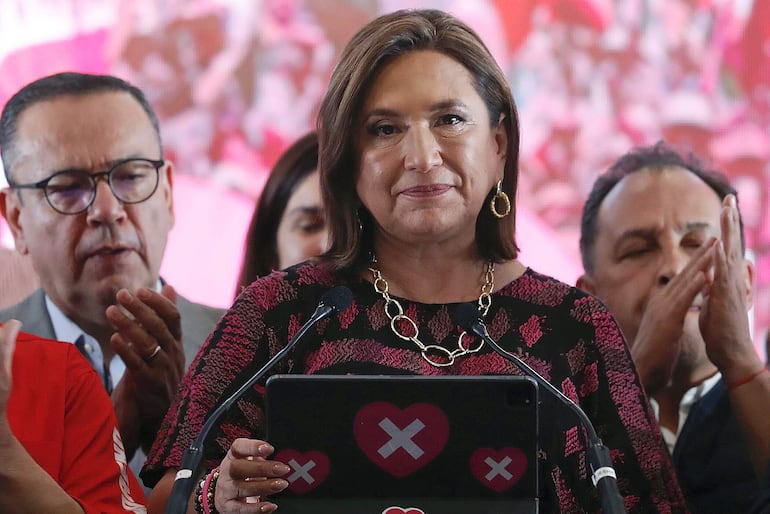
x,y
207,492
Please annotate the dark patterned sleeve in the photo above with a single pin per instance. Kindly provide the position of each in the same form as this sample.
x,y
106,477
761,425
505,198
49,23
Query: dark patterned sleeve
x,y
611,392
243,339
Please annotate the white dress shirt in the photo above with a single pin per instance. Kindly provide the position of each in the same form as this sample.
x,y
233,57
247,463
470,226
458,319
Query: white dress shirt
x,y
66,330
688,400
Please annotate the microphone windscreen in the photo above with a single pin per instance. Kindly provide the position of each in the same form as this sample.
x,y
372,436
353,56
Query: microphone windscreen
x,y
466,314
338,298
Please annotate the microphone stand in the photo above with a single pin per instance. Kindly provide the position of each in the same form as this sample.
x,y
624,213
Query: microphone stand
x,y
599,459
336,299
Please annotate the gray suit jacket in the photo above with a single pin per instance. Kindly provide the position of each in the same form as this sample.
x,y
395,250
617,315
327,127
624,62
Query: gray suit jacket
x,y
198,320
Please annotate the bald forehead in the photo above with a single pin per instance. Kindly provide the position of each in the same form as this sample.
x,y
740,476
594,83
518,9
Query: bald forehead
x,y
651,196
643,182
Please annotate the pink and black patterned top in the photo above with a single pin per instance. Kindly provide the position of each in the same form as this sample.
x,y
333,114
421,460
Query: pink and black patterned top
x,y
566,335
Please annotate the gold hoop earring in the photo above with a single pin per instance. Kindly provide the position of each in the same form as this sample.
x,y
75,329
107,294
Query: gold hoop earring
x,y
500,195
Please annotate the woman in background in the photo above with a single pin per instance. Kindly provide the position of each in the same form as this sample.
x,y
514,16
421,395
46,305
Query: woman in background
x,y
288,224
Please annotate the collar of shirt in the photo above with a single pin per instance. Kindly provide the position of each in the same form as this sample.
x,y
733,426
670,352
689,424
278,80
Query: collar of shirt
x,y
68,331
688,400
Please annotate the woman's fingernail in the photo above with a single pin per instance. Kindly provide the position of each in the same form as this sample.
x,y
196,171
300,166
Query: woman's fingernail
x,y
280,469
279,485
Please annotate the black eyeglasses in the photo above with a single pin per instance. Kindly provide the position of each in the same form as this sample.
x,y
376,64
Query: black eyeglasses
x,y
73,191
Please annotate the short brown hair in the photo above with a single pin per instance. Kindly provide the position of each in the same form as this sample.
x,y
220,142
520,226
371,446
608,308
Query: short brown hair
x,y
375,45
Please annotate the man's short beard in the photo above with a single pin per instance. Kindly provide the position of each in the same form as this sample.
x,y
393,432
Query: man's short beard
x,y
692,353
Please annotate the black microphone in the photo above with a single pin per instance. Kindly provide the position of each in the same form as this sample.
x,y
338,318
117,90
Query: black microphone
x,y
335,300
603,474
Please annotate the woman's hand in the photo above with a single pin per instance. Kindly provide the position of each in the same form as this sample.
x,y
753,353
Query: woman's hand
x,y
246,477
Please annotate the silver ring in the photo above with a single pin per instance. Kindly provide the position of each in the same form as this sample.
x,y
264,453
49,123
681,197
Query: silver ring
x,y
153,354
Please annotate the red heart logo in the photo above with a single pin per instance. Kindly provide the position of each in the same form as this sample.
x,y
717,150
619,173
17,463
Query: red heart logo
x,y
401,510
498,470
308,469
401,441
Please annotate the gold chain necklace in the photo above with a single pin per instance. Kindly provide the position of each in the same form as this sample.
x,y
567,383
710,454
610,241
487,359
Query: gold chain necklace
x,y
434,354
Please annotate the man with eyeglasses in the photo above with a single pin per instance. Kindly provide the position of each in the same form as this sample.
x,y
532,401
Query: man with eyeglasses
x,y
90,201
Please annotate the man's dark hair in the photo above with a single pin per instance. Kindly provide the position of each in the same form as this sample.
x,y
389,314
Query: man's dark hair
x,y
55,86
654,157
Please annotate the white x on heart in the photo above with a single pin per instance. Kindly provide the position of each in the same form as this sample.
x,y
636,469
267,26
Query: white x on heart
x,y
401,438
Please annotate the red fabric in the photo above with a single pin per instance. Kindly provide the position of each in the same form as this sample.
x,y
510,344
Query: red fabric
x,y
516,17
754,45
61,414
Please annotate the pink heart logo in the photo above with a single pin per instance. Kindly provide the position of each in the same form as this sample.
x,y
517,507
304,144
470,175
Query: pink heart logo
x,y
498,470
308,469
401,510
401,441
